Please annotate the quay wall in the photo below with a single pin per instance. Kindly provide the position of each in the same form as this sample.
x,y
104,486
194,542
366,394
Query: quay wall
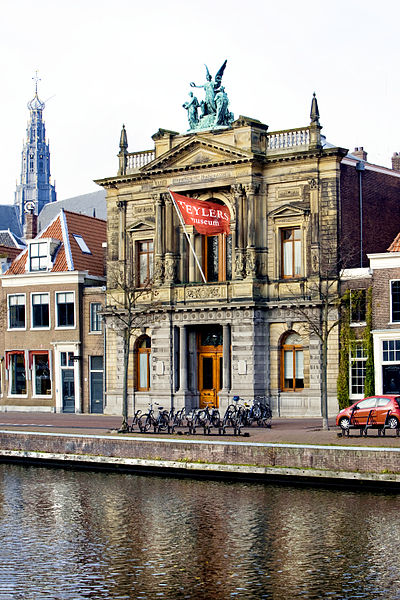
x,y
269,461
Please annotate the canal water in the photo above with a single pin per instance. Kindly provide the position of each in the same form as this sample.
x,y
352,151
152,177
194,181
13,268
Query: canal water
x,y
72,535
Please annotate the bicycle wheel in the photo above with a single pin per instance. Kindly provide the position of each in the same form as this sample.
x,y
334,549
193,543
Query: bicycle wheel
x,y
163,421
144,423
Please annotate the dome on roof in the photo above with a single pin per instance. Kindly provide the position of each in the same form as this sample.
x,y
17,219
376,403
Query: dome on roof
x,y
36,104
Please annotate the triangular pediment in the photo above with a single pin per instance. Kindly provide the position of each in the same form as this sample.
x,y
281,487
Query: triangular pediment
x,y
194,152
288,210
142,225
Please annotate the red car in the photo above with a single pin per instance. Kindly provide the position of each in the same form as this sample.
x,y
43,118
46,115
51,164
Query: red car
x,y
357,414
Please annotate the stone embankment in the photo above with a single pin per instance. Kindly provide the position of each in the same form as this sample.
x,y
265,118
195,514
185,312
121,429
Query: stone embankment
x,y
334,464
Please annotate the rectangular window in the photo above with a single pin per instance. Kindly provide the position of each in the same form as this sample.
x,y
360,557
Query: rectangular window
x,y
95,318
40,310
395,293
217,257
16,311
65,309
41,374
358,306
291,252
38,256
17,373
391,350
145,262
358,360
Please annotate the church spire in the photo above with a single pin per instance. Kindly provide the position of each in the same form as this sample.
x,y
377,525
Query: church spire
x,y
34,189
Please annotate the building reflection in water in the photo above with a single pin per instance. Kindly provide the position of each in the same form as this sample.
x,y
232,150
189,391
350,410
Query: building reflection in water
x,y
70,534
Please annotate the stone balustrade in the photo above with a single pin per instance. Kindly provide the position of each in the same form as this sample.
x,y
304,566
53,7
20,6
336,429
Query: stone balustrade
x,y
288,139
136,160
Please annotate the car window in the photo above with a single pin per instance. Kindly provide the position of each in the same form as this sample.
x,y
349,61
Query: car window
x,y
382,401
367,403
398,401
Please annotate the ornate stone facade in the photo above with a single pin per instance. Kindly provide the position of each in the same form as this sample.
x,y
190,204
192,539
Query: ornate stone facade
x,y
246,325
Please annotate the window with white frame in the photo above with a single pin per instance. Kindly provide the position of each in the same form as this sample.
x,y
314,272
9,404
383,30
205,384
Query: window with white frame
x,y
16,311
65,309
358,360
38,256
395,301
40,311
391,350
17,373
95,317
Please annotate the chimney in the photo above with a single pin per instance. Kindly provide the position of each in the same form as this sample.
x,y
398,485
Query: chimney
x,y
360,153
31,225
396,161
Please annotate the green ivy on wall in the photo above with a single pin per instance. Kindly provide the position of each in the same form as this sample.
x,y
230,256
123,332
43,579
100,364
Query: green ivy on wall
x,y
347,338
369,383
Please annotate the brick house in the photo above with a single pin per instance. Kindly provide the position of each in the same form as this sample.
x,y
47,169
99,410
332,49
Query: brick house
x,y
52,339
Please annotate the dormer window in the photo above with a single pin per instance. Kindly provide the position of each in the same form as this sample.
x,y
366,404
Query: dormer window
x,y
38,256
41,254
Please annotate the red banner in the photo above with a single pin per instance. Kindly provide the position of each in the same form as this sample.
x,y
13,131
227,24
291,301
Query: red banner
x,y
208,218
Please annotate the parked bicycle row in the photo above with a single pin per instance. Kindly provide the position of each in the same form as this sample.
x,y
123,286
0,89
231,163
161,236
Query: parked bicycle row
x,y
238,415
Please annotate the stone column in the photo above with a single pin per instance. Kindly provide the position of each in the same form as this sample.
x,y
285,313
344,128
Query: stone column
x,y
239,237
169,232
251,268
226,358
158,242
121,205
183,371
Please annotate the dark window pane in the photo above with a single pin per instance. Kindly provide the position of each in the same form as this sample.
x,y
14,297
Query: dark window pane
x,y
207,373
42,375
395,301
18,375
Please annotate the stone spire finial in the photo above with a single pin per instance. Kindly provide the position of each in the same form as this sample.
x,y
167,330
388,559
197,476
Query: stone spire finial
x,y
123,151
314,114
123,141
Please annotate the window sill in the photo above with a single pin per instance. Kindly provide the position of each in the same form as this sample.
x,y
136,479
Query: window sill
x,y
95,332
65,327
16,329
358,324
40,328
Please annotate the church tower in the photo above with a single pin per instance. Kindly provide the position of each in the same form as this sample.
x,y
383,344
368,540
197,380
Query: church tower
x,y
34,189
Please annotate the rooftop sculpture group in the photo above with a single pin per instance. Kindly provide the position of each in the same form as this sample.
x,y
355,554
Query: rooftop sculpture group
x,y
214,111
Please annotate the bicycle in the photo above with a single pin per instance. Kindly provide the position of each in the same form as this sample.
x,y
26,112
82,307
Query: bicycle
x,y
148,420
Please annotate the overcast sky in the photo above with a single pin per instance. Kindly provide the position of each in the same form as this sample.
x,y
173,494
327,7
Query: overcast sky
x,y
105,63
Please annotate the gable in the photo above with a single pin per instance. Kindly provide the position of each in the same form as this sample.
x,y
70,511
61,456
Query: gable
x,y
288,210
197,151
142,225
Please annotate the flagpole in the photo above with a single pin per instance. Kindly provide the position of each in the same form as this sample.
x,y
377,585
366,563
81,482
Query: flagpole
x,y
187,236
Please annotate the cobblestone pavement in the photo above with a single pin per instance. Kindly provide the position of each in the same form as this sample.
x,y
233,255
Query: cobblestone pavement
x,y
293,431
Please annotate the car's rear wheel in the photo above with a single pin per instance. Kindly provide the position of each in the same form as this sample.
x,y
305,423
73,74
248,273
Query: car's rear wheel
x,y
393,423
344,423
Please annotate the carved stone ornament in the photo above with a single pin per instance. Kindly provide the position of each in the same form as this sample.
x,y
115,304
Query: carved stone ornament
x,y
239,265
158,270
196,293
121,204
251,263
169,269
313,184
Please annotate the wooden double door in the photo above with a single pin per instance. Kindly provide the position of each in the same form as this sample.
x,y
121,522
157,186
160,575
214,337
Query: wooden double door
x,y
210,376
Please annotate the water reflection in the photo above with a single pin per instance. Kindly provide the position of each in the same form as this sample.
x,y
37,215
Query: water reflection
x,y
78,535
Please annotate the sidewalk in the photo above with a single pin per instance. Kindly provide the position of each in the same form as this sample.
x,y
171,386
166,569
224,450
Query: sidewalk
x,y
288,430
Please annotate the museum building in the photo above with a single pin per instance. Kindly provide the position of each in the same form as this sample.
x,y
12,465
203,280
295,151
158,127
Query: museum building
x,y
232,317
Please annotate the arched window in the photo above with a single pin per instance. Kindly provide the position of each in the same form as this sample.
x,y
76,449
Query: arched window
x,y
292,363
143,349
